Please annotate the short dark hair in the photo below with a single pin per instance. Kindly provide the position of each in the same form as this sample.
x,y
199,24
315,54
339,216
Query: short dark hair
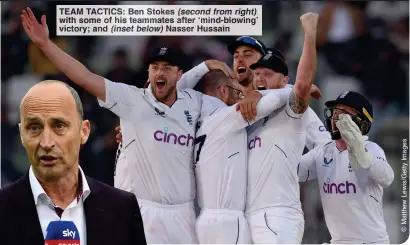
x,y
212,80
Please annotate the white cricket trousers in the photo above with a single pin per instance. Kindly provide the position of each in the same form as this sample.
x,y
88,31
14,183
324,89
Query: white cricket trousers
x,y
269,226
222,226
168,224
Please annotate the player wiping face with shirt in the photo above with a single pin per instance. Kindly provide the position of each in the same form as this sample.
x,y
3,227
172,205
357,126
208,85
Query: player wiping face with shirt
x,y
351,172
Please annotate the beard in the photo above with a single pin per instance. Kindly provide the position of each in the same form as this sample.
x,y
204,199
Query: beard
x,y
246,79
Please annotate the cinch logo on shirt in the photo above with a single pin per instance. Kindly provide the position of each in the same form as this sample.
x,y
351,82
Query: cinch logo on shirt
x,y
341,188
171,138
256,142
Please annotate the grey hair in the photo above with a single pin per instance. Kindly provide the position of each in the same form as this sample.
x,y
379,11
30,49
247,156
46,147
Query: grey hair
x,y
77,100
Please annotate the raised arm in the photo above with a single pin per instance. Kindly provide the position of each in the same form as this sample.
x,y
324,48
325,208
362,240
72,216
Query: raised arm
x,y
300,95
190,78
73,69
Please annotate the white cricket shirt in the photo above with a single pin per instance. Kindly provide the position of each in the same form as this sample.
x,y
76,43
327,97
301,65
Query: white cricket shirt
x,y
157,141
351,199
221,151
275,146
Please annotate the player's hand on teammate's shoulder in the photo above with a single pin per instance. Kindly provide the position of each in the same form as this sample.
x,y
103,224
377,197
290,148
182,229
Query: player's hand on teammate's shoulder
x,y
309,23
247,106
38,33
119,135
219,65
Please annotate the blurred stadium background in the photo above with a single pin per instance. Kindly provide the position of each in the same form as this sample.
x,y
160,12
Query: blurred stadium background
x,y
363,46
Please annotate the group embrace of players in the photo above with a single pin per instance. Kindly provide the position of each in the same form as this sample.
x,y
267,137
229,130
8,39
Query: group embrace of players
x,y
234,139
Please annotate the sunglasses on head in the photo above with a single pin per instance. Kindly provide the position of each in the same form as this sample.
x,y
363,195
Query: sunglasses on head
x,y
251,41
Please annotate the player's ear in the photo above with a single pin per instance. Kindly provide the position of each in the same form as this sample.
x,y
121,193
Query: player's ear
x,y
21,136
180,72
285,80
225,92
85,131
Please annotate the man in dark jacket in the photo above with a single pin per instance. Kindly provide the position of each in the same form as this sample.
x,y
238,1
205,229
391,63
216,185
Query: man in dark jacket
x,y
55,196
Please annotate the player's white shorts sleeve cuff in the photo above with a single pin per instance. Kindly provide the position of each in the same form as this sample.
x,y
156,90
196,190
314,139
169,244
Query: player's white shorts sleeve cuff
x,y
109,102
292,114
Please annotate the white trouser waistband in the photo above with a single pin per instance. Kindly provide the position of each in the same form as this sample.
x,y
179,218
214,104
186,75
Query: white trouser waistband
x,y
279,211
232,212
147,203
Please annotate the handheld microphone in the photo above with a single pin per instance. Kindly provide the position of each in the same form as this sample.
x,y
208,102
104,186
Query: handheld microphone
x,y
62,232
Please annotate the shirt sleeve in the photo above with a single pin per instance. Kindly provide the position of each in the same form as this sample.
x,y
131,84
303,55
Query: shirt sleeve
x,y
307,166
380,170
120,98
271,100
190,78
316,133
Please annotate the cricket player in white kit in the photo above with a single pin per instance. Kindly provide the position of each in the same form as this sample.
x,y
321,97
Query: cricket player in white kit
x,y
351,172
221,156
158,125
163,181
247,51
157,142
276,145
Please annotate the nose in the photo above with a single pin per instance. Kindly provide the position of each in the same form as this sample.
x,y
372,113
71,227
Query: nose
x,y
240,60
47,140
161,72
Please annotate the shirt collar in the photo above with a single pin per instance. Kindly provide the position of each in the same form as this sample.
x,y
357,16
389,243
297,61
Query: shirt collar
x,y
38,190
180,93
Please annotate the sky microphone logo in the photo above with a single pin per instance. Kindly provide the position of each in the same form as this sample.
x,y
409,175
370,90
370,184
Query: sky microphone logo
x,y
62,233
171,138
341,188
255,142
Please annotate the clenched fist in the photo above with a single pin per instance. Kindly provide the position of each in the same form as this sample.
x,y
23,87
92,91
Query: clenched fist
x,y
247,106
309,23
